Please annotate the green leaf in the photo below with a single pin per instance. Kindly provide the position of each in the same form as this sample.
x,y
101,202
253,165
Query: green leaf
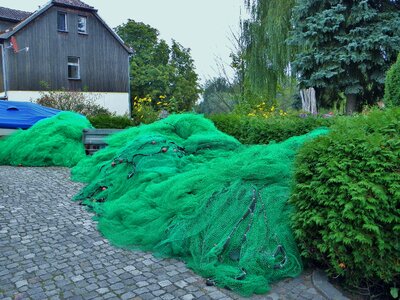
x,y
394,292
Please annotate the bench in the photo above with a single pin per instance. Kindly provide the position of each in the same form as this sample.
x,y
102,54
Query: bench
x,y
6,132
94,139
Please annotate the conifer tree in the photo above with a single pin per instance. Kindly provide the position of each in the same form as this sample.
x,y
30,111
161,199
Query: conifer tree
x,y
347,46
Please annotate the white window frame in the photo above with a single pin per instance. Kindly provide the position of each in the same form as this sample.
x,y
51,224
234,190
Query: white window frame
x,y
65,21
77,65
85,18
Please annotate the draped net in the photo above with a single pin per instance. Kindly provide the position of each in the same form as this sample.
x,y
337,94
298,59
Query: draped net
x,y
181,188
55,141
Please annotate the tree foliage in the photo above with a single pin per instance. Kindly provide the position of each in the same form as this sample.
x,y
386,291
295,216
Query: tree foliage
x,y
347,46
392,85
219,96
158,69
267,55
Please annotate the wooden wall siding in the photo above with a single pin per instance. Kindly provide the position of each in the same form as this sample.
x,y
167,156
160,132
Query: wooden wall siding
x,y
103,61
5,25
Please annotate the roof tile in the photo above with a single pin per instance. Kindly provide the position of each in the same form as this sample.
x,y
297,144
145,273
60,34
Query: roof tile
x,y
13,14
73,3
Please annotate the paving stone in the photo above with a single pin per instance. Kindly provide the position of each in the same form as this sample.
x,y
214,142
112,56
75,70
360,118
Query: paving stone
x,y
158,293
102,290
217,295
142,283
77,278
128,295
167,297
181,284
21,283
165,283
51,249
147,296
142,290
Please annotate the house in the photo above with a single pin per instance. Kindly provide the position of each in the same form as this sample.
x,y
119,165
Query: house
x,y
66,45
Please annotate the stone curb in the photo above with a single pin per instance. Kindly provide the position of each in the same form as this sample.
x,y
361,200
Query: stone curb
x,y
321,283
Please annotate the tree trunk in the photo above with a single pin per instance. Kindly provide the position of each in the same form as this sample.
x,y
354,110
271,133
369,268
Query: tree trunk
x,y
308,100
351,104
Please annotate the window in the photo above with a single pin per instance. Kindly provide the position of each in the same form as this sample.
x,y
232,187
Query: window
x,y
62,21
73,68
82,24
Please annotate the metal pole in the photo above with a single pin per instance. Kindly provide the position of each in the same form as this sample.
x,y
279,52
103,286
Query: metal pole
x,y
129,86
3,57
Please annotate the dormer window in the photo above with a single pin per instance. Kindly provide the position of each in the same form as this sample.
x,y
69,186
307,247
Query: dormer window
x,y
62,21
82,24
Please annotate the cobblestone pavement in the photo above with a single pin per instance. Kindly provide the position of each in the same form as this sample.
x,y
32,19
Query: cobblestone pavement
x,y
50,249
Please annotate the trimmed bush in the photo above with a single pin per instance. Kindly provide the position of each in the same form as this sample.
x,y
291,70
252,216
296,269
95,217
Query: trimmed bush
x,y
347,196
259,130
392,85
109,121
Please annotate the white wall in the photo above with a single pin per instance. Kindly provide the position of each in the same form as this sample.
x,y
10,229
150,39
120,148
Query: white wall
x,y
114,102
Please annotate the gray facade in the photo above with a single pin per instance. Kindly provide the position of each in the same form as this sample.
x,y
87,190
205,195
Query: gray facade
x,y
103,58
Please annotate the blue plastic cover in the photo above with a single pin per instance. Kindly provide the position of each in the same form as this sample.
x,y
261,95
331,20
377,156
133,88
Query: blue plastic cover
x,y
23,115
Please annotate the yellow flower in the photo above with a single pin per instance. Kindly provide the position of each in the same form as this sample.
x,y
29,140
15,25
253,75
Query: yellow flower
x,y
158,103
272,108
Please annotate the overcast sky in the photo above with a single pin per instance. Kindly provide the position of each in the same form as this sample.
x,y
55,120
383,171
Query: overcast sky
x,y
203,26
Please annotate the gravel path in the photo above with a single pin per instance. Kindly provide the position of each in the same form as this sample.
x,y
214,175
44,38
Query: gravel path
x,y
50,249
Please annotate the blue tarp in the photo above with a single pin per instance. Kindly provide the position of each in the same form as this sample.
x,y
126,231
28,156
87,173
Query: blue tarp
x,y
23,115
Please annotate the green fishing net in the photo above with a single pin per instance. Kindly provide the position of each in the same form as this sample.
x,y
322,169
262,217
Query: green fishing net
x,y
181,188
55,141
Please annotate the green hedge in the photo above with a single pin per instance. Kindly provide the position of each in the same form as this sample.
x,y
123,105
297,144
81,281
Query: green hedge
x,y
392,85
258,130
347,196
108,121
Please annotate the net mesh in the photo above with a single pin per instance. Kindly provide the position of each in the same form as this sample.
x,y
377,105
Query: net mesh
x,y
181,188
55,141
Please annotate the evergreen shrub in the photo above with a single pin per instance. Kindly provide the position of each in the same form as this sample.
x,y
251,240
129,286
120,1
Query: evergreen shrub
x,y
259,130
392,85
110,121
347,197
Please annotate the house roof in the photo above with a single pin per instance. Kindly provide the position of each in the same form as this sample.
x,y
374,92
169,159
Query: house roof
x,y
73,3
13,15
66,3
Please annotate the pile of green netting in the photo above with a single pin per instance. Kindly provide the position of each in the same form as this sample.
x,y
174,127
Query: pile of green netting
x,y
181,188
55,141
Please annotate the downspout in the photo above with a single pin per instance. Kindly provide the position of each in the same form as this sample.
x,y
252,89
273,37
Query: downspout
x,y
3,54
129,86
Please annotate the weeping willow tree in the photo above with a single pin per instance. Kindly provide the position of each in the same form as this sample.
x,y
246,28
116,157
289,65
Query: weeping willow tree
x,y
267,55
